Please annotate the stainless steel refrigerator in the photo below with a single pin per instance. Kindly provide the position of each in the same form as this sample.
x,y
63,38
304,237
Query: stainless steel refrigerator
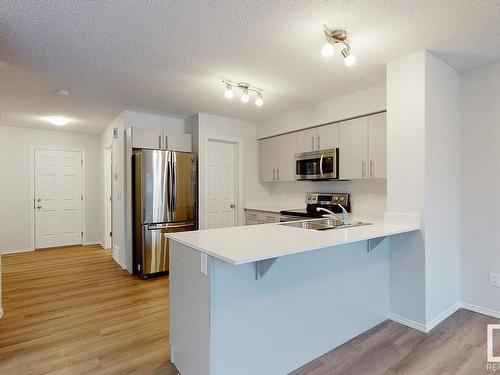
x,y
164,194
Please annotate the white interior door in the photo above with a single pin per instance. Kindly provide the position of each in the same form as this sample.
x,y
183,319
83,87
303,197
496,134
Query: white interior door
x,y
58,198
220,185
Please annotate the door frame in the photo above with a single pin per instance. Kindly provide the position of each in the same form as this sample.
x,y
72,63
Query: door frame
x,y
238,183
32,188
108,186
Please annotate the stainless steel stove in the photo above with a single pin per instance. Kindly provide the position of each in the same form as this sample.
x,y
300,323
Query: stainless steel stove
x,y
314,200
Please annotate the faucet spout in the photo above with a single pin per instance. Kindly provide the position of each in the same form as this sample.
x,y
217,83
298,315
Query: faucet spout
x,y
345,214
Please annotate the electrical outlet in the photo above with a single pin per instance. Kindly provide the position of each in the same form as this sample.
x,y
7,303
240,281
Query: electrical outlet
x,y
495,279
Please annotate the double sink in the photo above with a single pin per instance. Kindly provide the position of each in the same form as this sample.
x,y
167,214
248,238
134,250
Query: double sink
x,y
323,224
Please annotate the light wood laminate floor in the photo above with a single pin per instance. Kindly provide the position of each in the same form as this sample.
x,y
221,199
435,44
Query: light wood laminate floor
x,y
455,347
75,311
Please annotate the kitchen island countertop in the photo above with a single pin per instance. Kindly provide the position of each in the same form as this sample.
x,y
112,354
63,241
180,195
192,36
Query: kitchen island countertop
x,y
252,243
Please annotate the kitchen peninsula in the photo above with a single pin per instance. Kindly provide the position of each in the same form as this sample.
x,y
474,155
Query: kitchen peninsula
x,y
267,299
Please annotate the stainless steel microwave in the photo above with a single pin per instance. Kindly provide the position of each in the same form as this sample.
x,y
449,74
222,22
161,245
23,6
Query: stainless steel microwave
x,y
317,165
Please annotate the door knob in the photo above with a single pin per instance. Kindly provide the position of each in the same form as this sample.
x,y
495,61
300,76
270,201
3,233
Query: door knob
x,y
38,206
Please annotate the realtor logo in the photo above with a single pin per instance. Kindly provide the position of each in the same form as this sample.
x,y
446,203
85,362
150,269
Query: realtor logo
x,y
491,355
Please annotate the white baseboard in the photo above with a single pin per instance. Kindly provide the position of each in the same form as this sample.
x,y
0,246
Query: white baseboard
x,y
426,328
13,251
89,243
408,322
481,310
443,316
1,313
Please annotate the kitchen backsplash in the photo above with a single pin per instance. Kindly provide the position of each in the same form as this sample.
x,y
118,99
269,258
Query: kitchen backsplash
x,y
368,197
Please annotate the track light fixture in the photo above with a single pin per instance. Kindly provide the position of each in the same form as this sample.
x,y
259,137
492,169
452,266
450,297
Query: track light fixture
x,y
246,89
335,39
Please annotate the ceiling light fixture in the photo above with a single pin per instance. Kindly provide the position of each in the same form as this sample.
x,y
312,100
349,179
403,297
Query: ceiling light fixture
x,y
260,100
338,38
57,120
229,91
246,89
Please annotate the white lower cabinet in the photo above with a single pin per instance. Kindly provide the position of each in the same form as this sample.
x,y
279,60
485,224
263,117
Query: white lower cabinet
x,y
253,217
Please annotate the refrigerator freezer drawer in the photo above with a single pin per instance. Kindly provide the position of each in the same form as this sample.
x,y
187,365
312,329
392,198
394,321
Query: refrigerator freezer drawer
x,y
154,256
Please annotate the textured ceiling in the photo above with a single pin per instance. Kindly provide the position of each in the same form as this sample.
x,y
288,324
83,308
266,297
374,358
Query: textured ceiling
x,y
168,56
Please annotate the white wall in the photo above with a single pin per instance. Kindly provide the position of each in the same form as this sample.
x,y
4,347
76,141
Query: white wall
x,y
405,181
205,127
121,227
368,197
118,187
424,180
480,98
358,103
16,181
442,186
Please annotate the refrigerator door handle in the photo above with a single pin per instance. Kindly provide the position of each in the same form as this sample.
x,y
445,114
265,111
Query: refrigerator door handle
x,y
169,184
170,226
174,185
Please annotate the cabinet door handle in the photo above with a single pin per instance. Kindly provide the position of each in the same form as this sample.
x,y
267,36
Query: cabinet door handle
x,y
278,174
317,142
274,174
363,166
372,168
312,143
159,141
166,142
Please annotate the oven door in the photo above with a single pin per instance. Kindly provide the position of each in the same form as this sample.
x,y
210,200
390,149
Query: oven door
x,y
317,165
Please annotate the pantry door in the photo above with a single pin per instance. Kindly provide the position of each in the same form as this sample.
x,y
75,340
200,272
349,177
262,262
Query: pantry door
x,y
221,205
58,198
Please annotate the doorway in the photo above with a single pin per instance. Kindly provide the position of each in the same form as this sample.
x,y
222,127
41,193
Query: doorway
x,y
220,184
108,197
58,198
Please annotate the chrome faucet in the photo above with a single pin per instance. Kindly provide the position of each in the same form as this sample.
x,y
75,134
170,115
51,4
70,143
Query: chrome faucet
x,y
345,214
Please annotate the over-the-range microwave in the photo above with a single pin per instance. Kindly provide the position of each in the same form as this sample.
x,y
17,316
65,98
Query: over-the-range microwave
x,y
317,165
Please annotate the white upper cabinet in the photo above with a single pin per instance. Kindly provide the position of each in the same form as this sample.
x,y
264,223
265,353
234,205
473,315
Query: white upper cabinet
x,y
147,138
353,149
306,140
361,142
277,158
178,142
268,159
327,137
159,139
286,157
377,145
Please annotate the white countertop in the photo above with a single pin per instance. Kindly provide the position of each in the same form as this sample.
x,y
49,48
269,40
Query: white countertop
x,y
273,206
251,243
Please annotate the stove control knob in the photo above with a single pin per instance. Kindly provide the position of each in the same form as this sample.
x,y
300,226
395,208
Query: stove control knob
x,y
308,197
